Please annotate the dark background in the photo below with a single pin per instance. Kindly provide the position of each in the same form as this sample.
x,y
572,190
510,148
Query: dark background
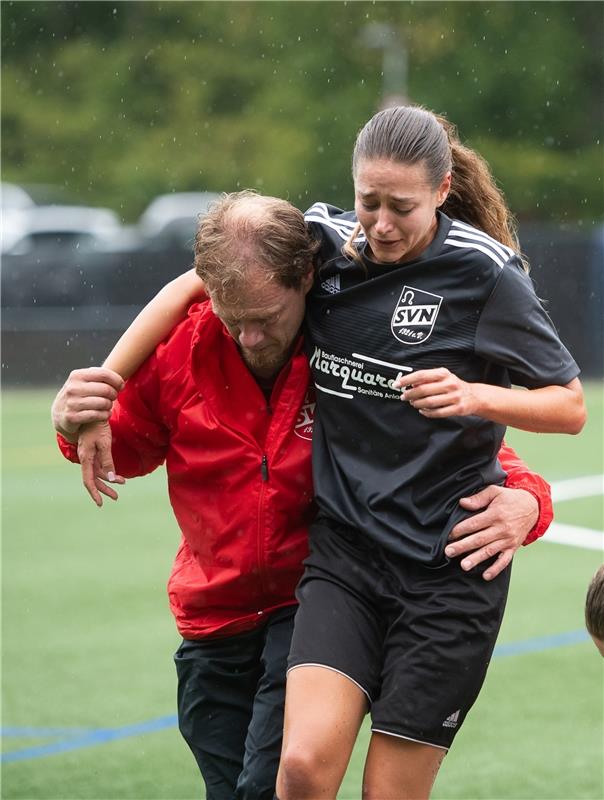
x,y
112,104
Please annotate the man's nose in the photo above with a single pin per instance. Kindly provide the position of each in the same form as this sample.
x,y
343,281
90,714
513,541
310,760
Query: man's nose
x,y
250,335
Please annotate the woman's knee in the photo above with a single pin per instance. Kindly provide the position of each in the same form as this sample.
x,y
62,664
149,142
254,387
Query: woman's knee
x,y
304,773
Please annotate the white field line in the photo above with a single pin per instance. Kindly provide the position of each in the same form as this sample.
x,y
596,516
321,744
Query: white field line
x,y
573,489
558,533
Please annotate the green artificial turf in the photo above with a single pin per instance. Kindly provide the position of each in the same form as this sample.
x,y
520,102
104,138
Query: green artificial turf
x,y
87,638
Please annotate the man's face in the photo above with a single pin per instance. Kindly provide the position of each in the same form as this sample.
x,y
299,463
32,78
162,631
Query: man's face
x,y
265,320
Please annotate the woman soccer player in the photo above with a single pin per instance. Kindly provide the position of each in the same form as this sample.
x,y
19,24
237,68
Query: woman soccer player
x,y
421,318
435,308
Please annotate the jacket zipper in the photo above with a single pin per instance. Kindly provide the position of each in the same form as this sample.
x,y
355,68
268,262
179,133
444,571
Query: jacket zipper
x,y
264,468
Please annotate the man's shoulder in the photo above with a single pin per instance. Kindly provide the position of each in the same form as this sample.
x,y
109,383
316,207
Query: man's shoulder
x,y
199,316
173,353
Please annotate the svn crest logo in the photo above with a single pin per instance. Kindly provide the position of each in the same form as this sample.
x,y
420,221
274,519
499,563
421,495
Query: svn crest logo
x,y
306,417
414,316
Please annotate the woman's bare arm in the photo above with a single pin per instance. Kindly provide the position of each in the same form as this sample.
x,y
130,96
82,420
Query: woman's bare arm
x,y
82,408
154,323
438,393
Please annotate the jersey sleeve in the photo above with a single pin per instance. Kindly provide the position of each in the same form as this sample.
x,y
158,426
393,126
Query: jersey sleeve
x,y
519,476
332,228
515,332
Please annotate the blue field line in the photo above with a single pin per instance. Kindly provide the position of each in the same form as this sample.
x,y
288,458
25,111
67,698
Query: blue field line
x,y
541,643
77,738
90,739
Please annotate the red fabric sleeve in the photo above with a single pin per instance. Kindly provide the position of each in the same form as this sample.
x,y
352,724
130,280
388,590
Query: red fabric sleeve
x,y
69,450
140,440
521,477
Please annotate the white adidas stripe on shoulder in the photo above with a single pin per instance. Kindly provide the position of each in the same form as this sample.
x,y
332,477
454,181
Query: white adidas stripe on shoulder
x,y
476,246
344,233
481,235
322,210
343,227
465,236
467,232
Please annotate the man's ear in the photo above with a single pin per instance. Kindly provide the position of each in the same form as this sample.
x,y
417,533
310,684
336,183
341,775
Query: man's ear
x,y
308,279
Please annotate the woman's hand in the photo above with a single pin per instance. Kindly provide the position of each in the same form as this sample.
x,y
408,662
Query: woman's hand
x,y
94,452
439,393
86,396
504,519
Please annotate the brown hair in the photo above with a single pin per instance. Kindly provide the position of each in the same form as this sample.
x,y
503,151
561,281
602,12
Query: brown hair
x,y
411,135
594,605
245,229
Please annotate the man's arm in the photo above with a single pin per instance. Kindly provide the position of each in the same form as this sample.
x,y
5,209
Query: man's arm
x,y
137,440
506,517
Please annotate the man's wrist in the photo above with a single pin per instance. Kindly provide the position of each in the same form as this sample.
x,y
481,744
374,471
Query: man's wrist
x,y
69,436
540,525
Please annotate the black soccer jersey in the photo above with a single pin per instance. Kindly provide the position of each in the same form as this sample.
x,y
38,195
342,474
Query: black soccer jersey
x,y
466,304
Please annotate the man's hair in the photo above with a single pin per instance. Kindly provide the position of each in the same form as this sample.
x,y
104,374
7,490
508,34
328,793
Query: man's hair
x,y
594,605
245,229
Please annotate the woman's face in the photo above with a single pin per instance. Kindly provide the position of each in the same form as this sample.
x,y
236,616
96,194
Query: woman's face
x,y
396,207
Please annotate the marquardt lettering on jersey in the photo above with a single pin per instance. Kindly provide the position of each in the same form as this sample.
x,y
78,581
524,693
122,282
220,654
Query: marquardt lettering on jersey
x,y
303,426
415,314
356,375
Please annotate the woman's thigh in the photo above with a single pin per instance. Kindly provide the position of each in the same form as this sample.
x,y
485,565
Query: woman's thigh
x,y
323,713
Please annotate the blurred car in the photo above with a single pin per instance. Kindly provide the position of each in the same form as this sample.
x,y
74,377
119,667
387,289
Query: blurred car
x,y
171,219
75,255
46,263
13,197
66,227
136,269
15,203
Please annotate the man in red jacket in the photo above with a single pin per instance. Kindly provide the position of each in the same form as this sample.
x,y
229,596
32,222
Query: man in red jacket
x,y
225,402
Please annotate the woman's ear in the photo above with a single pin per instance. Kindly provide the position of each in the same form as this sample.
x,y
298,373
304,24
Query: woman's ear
x,y
443,190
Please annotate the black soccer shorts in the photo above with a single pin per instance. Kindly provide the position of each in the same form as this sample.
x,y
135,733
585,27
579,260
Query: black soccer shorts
x,y
415,639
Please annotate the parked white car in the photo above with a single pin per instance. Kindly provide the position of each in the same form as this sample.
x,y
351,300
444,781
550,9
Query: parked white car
x,y
174,216
58,226
15,203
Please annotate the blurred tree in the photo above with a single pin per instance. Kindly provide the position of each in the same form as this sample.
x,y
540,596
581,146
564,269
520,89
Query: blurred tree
x,y
122,101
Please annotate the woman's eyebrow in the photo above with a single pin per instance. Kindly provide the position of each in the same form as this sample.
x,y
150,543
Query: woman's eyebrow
x,y
396,198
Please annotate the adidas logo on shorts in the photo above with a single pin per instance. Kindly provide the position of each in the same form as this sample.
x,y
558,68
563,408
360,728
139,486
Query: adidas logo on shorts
x,y
451,722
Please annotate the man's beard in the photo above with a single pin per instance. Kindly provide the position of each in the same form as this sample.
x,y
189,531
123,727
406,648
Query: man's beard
x,y
264,362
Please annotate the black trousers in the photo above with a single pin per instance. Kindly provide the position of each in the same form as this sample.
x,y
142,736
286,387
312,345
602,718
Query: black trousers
x,y
231,693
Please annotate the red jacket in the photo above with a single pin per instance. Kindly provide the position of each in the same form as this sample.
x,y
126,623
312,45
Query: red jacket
x,y
239,473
